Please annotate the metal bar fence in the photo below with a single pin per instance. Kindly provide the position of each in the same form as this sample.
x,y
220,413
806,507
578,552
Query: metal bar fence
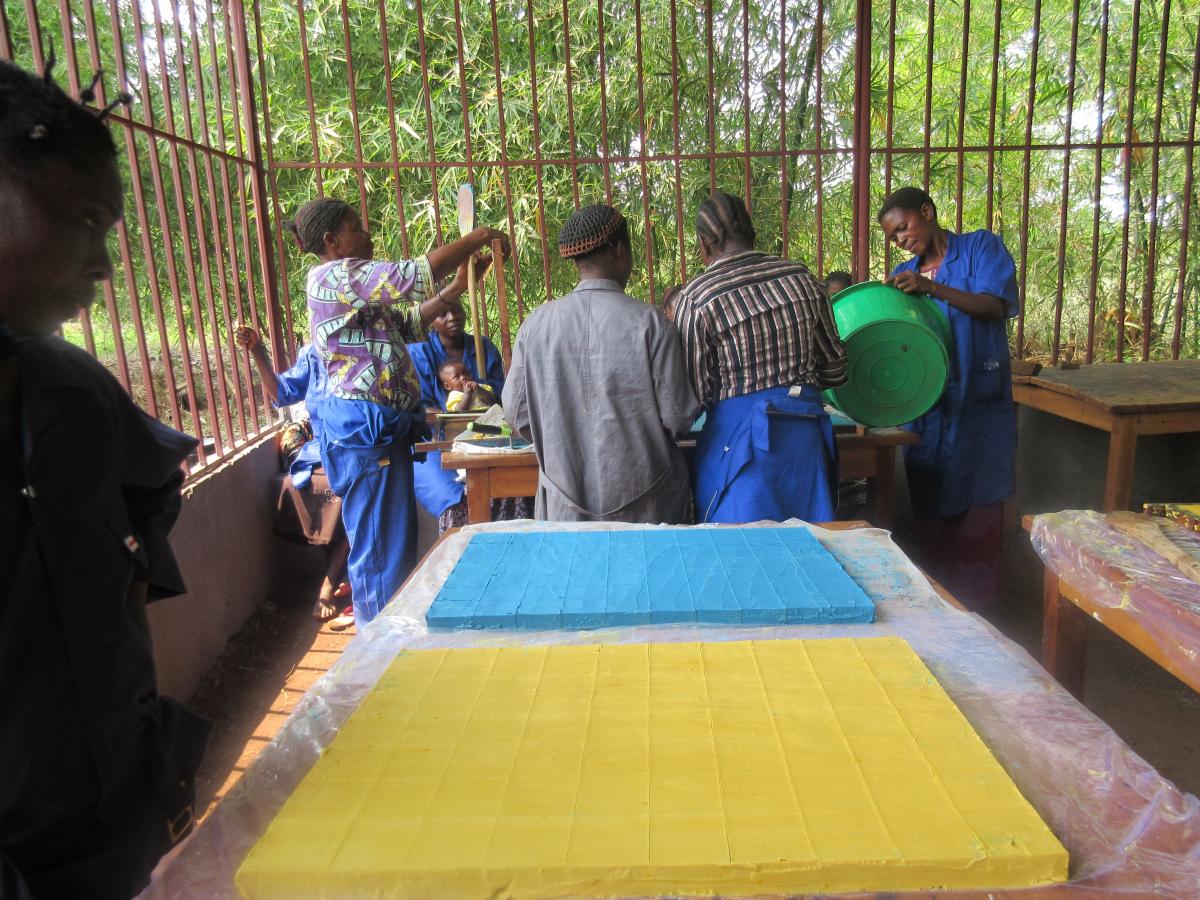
x,y
1081,159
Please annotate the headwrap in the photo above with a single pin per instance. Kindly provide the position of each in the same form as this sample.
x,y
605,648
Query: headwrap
x,y
588,230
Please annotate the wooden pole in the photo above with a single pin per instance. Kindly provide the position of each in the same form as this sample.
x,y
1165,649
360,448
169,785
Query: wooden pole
x,y
502,305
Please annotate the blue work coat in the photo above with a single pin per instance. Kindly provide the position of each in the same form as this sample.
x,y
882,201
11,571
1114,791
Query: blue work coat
x,y
306,381
438,488
968,441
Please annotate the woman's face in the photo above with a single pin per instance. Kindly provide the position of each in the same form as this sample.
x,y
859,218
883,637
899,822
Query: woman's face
x,y
350,241
54,240
911,230
450,324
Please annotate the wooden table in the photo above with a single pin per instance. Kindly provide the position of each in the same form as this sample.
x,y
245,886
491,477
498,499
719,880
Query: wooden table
x,y
863,453
1124,399
1069,603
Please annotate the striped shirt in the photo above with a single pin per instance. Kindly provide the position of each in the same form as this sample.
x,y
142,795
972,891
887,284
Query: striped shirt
x,y
363,314
751,322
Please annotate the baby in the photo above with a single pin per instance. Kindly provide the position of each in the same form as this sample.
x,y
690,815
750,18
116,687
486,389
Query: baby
x,y
465,394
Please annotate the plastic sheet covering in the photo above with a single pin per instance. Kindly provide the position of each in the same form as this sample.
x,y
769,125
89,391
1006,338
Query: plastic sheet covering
x,y
1120,573
1128,830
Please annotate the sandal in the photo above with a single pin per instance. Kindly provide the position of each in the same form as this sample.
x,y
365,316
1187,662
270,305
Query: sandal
x,y
344,621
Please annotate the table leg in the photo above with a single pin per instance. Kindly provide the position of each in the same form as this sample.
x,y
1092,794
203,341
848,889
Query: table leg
x,y
1064,637
479,496
1118,480
883,486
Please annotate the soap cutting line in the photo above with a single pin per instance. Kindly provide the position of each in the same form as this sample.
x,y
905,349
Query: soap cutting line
x,y
921,750
787,766
712,733
850,750
583,750
516,756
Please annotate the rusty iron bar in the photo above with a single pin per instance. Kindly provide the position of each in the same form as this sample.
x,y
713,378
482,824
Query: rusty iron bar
x,y
784,177
929,85
861,214
219,419
308,94
151,265
247,267
501,288
997,20
352,85
649,233
6,49
245,392
746,103
678,164
962,113
1122,293
603,63
818,115
889,124
570,102
168,248
537,148
1065,195
1152,248
215,231
391,106
262,197
1186,223
187,224
712,113
1097,186
1024,265
429,138
35,35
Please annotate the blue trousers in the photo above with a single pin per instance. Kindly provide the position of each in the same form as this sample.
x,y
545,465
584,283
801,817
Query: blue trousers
x,y
767,455
367,453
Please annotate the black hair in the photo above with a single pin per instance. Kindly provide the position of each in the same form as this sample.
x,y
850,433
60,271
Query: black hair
x,y
840,276
448,363
590,230
39,120
722,218
670,296
313,220
911,199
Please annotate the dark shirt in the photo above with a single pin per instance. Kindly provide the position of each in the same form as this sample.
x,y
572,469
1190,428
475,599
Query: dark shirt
x,y
89,488
752,321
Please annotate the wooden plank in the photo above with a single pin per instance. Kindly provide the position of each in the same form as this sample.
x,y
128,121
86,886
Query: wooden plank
x,y
1155,386
1118,479
479,495
1064,636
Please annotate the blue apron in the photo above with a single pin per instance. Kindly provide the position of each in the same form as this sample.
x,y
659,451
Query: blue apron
x,y
967,452
767,455
367,452
438,488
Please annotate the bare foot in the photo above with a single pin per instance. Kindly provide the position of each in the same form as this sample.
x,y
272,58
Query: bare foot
x,y
325,609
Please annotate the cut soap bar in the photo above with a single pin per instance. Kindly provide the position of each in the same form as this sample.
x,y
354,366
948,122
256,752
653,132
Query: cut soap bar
x,y
592,579
639,769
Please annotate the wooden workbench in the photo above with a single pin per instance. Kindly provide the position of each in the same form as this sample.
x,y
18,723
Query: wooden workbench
x,y
863,453
1142,608
1124,399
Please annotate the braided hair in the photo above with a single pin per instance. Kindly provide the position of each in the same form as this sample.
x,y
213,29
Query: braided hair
x,y
38,120
314,220
910,199
590,230
722,218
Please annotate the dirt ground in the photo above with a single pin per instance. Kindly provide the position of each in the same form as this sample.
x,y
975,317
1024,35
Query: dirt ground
x,y
281,651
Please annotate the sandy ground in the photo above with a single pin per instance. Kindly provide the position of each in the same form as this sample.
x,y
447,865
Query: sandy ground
x,y
282,650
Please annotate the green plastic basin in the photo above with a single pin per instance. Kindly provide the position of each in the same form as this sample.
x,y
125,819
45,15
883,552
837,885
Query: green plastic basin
x,y
897,346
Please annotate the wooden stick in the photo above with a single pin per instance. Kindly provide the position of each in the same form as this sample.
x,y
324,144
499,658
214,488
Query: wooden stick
x,y
1145,530
502,305
476,320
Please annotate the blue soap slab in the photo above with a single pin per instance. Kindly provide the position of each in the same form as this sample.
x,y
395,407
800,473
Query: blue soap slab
x,y
594,579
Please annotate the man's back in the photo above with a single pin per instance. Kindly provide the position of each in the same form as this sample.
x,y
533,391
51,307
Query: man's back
x,y
598,385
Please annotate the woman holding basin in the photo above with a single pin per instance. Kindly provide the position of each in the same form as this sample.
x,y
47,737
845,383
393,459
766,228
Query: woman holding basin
x,y
961,472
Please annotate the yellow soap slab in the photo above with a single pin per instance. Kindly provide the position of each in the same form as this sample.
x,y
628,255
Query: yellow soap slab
x,y
739,768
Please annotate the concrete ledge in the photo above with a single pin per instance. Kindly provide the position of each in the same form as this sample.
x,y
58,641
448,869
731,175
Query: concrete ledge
x,y
223,541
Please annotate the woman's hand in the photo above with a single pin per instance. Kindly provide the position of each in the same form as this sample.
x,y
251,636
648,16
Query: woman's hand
x,y
911,283
247,338
495,234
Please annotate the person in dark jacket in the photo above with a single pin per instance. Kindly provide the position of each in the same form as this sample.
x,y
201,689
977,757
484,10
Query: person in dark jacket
x,y
97,767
